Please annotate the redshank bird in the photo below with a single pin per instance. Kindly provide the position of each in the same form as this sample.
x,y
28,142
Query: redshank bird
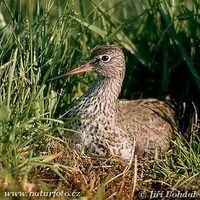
x,y
103,124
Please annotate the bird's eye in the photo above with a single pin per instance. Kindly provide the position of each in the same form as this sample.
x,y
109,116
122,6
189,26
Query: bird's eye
x,y
105,58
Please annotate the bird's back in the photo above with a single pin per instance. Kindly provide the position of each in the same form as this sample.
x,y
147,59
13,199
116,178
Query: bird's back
x,y
150,121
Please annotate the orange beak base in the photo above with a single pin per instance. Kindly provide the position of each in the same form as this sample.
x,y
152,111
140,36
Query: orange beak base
x,y
83,68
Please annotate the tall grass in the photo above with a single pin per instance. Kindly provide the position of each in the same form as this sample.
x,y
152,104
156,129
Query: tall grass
x,y
43,38
181,167
30,49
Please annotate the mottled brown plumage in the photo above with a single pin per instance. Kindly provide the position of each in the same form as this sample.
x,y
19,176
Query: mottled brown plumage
x,y
103,124
150,120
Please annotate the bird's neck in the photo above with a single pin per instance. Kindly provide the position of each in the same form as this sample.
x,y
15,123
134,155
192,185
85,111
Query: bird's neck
x,y
100,100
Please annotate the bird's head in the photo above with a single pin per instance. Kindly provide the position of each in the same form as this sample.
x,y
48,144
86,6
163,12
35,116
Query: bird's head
x,y
106,61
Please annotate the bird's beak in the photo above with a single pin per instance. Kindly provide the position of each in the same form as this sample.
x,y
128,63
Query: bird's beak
x,y
83,68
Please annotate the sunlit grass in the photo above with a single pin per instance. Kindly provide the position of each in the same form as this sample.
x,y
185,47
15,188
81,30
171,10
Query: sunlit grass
x,y
181,166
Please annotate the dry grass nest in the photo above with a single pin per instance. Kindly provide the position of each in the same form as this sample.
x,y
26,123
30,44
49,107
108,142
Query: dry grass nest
x,y
96,178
